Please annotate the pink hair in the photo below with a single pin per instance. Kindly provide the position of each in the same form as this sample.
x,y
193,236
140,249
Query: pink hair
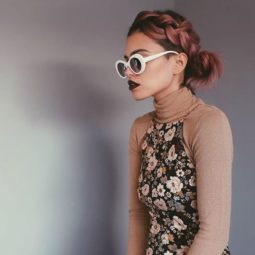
x,y
174,32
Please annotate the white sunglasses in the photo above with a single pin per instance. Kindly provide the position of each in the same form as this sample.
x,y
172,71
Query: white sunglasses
x,y
137,63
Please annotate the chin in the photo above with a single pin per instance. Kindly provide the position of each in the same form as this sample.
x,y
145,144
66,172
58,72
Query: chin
x,y
139,97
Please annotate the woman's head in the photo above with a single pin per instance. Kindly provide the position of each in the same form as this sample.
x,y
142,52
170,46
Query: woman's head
x,y
160,31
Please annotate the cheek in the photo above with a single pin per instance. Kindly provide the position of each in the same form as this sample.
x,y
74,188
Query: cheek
x,y
155,77
155,66
159,69
158,74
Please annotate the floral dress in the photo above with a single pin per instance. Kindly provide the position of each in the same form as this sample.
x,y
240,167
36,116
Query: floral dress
x,y
167,186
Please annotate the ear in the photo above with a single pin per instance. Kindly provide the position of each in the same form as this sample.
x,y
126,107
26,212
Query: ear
x,y
180,62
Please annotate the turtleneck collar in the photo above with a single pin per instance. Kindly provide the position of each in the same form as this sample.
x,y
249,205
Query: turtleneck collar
x,y
175,105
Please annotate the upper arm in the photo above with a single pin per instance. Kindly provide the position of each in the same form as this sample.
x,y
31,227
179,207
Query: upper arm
x,y
213,154
134,168
138,214
212,147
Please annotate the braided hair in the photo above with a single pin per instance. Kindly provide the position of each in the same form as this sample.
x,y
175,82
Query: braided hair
x,y
174,32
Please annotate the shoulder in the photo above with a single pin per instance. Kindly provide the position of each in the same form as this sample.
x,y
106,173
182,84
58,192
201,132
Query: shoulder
x,y
140,125
142,120
206,115
205,124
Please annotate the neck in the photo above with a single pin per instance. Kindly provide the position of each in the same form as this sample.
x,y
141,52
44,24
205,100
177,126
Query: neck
x,y
174,104
166,91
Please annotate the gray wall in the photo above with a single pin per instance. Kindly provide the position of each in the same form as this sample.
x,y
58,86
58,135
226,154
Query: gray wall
x,y
65,119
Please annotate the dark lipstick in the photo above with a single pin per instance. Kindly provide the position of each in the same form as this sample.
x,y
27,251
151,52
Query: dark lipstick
x,y
132,84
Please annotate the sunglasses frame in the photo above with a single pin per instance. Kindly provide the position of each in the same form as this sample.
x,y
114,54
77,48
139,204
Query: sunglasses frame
x,y
143,61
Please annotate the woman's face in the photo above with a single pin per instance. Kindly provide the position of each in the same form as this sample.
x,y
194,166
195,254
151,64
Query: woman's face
x,y
161,75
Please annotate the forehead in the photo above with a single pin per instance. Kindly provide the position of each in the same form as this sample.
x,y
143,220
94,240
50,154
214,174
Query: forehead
x,y
139,40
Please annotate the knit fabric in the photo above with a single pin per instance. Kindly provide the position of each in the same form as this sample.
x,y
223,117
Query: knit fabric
x,y
180,161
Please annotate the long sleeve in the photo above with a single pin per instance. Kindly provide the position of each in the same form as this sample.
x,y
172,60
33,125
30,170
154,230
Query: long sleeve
x,y
138,221
212,147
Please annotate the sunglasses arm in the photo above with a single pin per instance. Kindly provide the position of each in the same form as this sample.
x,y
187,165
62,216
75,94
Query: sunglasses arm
x,y
149,58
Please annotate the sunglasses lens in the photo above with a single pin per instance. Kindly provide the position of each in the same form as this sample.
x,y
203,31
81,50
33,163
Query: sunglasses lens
x,y
136,65
121,69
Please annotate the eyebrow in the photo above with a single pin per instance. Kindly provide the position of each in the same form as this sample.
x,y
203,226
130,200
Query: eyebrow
x,y
135,51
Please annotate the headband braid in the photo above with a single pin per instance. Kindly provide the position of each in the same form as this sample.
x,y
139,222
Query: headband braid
x,y
174,32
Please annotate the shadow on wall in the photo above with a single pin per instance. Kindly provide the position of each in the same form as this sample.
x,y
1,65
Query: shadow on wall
x,y
67,93
62,95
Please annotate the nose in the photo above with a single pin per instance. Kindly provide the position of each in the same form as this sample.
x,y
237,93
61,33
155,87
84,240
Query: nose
x,y
128,72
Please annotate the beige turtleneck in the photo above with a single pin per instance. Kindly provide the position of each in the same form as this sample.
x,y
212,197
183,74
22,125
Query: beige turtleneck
x,y
208,142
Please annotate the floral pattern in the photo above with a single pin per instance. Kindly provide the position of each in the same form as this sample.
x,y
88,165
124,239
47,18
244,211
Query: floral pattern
x,y
167,186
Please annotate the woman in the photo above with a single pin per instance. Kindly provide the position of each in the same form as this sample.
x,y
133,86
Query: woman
x,y
180,154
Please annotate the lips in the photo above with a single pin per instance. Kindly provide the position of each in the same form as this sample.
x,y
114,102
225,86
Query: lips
x,y
132,84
